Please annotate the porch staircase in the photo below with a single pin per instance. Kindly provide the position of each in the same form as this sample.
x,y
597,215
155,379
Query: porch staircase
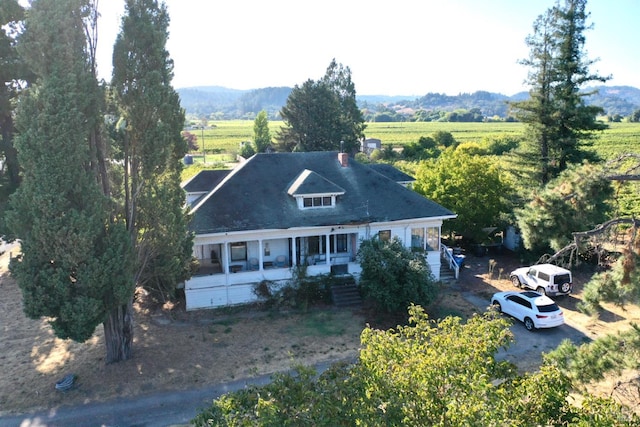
x,y
447,275
346,294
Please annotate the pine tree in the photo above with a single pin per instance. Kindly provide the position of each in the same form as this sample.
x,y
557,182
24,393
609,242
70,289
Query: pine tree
x,y
76,260
351,123
323,115
559,123
150,140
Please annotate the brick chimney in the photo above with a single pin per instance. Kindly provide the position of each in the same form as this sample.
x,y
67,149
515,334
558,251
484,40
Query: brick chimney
x,y
343,158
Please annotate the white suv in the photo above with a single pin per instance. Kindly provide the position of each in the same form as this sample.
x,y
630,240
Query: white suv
x,y
547,279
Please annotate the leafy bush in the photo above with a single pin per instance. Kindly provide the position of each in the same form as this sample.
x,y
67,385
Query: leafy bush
x,y
394,276
300,292
440,373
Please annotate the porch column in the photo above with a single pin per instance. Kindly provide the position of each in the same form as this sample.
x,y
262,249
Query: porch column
x,y
224,258
260,255
327,250
294,258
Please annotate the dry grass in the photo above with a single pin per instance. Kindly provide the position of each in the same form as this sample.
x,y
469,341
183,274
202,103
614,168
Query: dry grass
x,y
173,350
176,350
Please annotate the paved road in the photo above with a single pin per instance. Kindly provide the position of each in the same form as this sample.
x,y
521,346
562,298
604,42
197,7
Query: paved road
x,y
159,410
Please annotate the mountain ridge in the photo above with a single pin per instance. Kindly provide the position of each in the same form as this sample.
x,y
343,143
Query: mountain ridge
x,y
227,103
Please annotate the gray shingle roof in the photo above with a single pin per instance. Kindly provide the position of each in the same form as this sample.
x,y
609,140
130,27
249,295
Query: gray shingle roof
x,y
255,196
392,173
309,182
205,180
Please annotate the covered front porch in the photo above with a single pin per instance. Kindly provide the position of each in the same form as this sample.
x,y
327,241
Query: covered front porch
x,y
228,270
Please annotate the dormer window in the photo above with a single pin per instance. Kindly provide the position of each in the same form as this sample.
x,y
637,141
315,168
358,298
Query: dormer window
x,y
318,202
313,191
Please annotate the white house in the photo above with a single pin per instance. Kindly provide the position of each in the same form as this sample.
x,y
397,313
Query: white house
x,y
277,211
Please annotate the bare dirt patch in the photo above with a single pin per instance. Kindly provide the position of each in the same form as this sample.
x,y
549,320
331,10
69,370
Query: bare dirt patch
x,y
173,350
178,350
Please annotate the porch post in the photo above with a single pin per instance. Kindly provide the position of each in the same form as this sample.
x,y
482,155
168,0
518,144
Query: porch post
x,y
225,258
260,255
294,258
327,250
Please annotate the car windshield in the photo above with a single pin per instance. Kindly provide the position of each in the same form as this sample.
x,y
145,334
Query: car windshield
x,y
561,278
548,308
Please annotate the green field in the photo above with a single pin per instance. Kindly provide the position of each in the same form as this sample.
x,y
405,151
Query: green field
x,y
223,138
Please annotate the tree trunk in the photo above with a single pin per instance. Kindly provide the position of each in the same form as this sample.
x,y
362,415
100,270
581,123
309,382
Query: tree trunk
x,y
118,333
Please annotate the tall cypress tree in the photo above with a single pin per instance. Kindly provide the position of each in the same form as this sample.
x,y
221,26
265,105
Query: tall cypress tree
x,y
76,261
559,123
152,145
12,74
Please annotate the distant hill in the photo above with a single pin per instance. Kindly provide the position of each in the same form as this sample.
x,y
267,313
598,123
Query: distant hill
x,y
225,103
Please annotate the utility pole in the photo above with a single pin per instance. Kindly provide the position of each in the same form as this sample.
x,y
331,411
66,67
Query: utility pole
x,y
203,123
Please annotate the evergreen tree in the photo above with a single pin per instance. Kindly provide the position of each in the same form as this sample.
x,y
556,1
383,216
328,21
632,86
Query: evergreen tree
x,y
351,123
261,134
323,115
577,200
152,146
558,121
12,75
76,260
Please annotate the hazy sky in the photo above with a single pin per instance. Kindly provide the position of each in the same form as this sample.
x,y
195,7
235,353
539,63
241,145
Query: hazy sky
x,y
401,47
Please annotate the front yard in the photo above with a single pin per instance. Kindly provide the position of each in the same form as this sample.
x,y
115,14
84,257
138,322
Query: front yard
x,y
176,350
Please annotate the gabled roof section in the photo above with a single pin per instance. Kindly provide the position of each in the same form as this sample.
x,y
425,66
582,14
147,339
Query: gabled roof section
x,y
391,172
310,183
205,181
255,196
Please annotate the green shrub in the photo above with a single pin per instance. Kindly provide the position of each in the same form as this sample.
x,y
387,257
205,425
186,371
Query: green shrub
x,y
394,276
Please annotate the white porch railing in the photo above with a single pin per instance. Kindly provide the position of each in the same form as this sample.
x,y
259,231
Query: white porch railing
x,y
447,255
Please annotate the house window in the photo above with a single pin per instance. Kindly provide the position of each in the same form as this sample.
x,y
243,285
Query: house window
x,y
317,202
417,238
239,251
433,238
338,243
384,235
316,244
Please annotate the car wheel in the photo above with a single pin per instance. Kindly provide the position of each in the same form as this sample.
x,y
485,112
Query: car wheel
x,y
541,290
565,288
516,281
528,323
497,306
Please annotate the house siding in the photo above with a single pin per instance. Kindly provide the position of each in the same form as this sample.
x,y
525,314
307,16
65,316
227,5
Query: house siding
x,y
228,288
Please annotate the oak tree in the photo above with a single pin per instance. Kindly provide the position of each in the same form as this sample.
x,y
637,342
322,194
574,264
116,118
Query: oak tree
x,y
436,373
471,185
